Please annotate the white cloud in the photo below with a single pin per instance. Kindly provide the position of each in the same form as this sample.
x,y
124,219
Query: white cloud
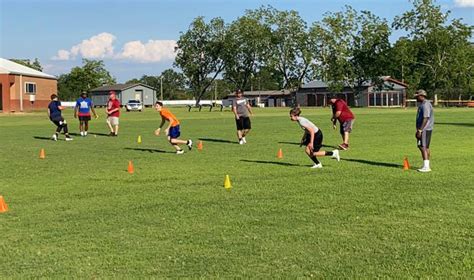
x,y
102,46
152,51
464,3
98,46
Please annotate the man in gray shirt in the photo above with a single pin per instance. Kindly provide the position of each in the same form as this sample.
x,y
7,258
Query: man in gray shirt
x,y
424,128
242,112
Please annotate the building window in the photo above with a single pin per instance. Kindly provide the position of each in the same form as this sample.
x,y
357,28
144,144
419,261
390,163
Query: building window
x,y
30,88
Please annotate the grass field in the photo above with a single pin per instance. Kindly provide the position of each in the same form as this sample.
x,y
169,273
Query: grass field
x,y
78,213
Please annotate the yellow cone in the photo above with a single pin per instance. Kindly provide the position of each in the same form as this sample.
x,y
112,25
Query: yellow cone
x,y
139,140
227,183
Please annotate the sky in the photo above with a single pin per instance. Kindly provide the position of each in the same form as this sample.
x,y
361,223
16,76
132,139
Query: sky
x,y
136,38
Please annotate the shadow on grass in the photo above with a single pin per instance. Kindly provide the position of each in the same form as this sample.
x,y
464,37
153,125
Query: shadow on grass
x,y
44,138
297,144
218,140
375,163
149,150
271,162
456,124
89,133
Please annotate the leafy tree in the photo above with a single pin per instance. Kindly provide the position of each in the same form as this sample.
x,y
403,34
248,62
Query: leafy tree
x,y
444,58
28,63
199,54
91,75
291,50
246,42
174,84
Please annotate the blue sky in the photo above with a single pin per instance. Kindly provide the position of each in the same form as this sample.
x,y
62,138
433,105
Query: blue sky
x,y
136,37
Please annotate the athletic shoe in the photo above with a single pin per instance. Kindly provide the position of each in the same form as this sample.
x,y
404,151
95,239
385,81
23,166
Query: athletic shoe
x,y
244,140
344,146
82,133
424,169
54,137
69,139
111,134
190,144
179,152
335,154
241,142
316,166
85,133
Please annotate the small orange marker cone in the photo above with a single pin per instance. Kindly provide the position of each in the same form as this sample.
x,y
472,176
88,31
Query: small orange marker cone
x,y
42,154
130,169
227,184
280,153
406,164
3,205
199,146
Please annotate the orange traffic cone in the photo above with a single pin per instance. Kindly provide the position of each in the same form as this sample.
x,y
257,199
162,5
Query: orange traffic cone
x,y
199,146
406,164
3,205
280,153
130,169
42,154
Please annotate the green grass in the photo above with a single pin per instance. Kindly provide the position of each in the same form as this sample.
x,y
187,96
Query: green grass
x,y
78,213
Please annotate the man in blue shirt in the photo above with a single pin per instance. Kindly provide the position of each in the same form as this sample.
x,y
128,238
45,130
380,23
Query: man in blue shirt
x,y
54,114
83,109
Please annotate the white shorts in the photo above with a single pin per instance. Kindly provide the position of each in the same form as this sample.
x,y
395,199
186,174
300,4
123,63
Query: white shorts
x,y
113,120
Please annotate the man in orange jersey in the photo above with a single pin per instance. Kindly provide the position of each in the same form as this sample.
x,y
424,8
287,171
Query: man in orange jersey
x,y
172,131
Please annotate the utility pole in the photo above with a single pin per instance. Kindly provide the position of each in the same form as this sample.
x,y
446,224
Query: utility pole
x,y
161,87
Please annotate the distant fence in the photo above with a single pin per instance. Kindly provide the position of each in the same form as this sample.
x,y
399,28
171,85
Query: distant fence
x,y
444,103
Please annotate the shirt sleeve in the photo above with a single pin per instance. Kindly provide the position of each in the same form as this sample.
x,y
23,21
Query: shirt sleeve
x,y
426,110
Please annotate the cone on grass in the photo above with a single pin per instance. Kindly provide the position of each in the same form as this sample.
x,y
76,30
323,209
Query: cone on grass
x,y
199,146
280,153
406,164
42,154
130,168
3,205
139,139
227,184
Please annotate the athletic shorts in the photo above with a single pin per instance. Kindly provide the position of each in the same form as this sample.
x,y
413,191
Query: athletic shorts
x,y
84,118
425,140
174,132
113,120
317,141
243,123
58,121
346,126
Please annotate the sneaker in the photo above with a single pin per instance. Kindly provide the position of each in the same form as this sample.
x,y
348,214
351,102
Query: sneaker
x,y
424,169
69,139
241,142
315,166
85,133
82,133
244,140
344,146
111,134
335,154
54,137
190,144
179,152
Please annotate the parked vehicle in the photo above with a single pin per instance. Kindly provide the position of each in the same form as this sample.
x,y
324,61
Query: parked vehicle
x,y
134,105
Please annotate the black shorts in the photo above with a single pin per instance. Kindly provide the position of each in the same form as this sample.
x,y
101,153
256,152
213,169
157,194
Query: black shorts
x,y
243,123
317,142
58,121
425,140
84,118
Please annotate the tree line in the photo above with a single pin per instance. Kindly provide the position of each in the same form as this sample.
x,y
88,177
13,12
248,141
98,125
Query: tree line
x,y
270,49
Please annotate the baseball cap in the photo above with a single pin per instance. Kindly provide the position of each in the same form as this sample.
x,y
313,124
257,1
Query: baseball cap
x,y
420,92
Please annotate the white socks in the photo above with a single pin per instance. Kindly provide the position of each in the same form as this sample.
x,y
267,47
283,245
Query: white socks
x,y
426,163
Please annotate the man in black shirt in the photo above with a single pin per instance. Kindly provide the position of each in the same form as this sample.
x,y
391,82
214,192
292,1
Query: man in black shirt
x,y
54,113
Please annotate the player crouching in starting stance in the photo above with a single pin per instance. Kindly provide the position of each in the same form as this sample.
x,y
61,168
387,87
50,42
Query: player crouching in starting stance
x,y
312,138
54,114
172,131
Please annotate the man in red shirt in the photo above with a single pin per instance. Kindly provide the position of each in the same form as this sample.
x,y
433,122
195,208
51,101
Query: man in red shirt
x,y
113,113
341,112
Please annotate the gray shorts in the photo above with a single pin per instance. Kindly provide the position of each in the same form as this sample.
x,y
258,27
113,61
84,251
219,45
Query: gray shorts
x,y
425,140
113,120
346,126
